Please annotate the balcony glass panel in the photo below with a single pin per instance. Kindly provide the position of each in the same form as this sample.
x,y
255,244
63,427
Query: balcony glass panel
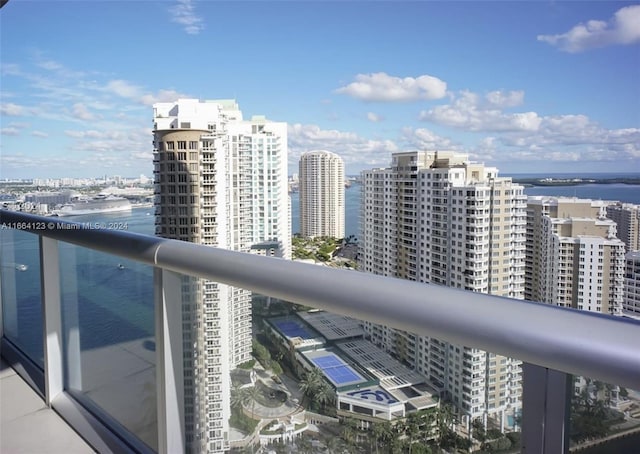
x,y
21,294
109,335
602,411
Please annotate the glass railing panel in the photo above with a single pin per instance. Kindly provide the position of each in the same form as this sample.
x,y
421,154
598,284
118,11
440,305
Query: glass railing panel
x,y
482,407
109,338
21,291
604,418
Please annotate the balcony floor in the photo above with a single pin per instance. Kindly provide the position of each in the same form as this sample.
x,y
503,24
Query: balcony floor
x,y
27,425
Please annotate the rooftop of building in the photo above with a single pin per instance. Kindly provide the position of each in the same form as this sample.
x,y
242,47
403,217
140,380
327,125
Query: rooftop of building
x,y
332,326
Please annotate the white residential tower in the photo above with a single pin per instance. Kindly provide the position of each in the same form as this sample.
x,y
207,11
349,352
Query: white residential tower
x,y
436,217
219,181
321,184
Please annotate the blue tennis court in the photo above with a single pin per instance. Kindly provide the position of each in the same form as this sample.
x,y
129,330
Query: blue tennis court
x,y
292,329
336,370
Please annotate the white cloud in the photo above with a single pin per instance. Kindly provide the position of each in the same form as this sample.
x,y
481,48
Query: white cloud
x,y
354,149
374,117
10,131
162,96
184,14
10,69
40,134
93,134
13,129
468,111
19,161
19,125
502,100
123,89
424,139
144,156
569,138
13,110
576,130
127,90
81,112
50,65
383,87
525,136
622,28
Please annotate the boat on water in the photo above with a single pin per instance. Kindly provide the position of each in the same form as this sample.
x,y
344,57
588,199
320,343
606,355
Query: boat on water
x,y
97,204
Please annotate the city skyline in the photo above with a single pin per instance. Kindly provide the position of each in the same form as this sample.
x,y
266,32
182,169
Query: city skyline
x,y
513,85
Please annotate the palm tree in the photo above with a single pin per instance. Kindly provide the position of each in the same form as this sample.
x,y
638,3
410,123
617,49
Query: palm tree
x,y
239,397
445,420
350,431
242,397
386,433
429,418
252,396
310,382
378,431
323,394
412,428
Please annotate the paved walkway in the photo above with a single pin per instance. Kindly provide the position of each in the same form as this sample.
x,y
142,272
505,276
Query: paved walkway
x,y
288,386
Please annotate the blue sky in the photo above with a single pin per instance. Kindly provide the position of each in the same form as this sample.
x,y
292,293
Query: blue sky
x,y
524,86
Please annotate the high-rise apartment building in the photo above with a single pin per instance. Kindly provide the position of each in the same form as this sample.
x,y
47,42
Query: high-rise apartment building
x,y
436,217
631,303
219,181
627,217
321,185
574,258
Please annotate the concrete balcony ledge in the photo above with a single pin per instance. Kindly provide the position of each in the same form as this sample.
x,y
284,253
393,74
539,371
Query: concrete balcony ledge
x,y
27,425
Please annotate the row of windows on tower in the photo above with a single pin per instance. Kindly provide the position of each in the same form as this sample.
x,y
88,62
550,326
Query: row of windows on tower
x,y
181,155
181,145
173,178
182,200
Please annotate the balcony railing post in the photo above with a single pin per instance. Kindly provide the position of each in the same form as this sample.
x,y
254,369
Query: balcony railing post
x,y
71,314
51,317
546,395
169,361
8,297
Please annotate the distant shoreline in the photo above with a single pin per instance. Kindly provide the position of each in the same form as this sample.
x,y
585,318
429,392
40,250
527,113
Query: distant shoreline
x,y
574,181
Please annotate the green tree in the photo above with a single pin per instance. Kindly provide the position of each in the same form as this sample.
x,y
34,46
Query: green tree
x,y
412,429
447,437
303,444
350,432
310,383
332,445
239,397
430,418
378,429
383,434
252,395
261,353
323,395
276,368
478,430
588,417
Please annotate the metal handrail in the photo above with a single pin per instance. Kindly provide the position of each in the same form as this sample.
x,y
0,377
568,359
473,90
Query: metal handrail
x,y
578,342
